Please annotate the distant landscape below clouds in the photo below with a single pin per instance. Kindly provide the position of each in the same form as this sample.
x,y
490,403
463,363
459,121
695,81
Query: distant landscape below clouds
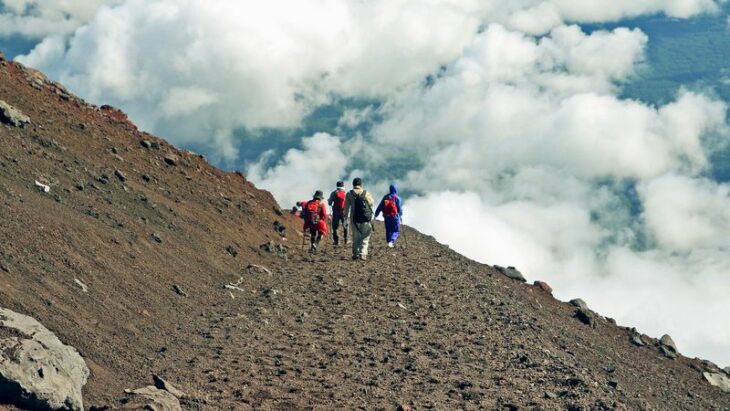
x,y
584,142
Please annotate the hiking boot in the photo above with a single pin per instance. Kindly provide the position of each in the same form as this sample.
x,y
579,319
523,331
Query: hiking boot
x,y
391,244
355,257
363,257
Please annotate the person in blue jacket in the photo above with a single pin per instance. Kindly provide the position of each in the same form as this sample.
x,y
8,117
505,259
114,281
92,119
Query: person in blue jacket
x,y
391,208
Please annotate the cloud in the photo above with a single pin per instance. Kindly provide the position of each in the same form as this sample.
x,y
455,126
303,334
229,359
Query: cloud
x,y
41,18
300,172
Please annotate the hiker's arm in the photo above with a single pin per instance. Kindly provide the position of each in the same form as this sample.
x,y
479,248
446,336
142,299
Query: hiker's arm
x,y
400,206
380,208
331,200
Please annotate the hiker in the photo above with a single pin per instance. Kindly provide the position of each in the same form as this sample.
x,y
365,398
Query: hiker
x,y
314,213
359,211
337,202
390,206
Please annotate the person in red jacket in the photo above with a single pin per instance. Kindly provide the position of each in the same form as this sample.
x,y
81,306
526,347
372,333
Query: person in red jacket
x,y
315,217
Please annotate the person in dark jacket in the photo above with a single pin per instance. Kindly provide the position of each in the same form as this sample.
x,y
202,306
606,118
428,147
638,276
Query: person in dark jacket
x,y
392,211
337,202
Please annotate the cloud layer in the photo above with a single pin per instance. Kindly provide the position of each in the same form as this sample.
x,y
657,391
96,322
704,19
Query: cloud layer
x,y
504,110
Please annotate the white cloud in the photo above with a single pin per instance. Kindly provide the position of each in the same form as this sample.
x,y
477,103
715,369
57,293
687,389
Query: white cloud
x,y
685,214
40,18
299,173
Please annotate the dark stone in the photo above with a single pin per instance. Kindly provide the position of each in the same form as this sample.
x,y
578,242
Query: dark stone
x,y
511,272
585,316
232,250
577,302
157,238
163,384
636,340
120,175
171,159
667,352
544,286
146,144
180,292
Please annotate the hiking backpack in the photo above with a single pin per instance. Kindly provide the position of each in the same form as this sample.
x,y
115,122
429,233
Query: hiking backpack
x,y
363,211
390,206
339,204
311,212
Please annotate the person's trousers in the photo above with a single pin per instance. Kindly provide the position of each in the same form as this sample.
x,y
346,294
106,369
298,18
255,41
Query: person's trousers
x,y
392,229
337,222
361,238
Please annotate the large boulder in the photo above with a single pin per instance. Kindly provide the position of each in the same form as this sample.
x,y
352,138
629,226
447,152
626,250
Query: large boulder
x,y
151,398
37,370
718,380
667,347
13,116
511,272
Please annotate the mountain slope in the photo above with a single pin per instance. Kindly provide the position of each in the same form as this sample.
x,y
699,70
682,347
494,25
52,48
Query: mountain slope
x,y
130,217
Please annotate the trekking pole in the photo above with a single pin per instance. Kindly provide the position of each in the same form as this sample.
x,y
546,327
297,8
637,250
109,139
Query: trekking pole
x,y
403,231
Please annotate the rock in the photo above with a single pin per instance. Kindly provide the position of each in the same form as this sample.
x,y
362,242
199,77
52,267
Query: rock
x,y
157,238
146,178
269,247
43,187
254,268
636,340
163,384
146,144
11,115
544,286
667,352
179,290
171,159
36,369
404,407
511,272
726,369
585,316
120,175
613,384
718,380
667,341
279,228
151,398
550,395
232,250
577,302
83,286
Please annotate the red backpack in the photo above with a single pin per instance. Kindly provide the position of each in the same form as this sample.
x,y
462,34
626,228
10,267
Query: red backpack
x,y
339,205
390,207
311,212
